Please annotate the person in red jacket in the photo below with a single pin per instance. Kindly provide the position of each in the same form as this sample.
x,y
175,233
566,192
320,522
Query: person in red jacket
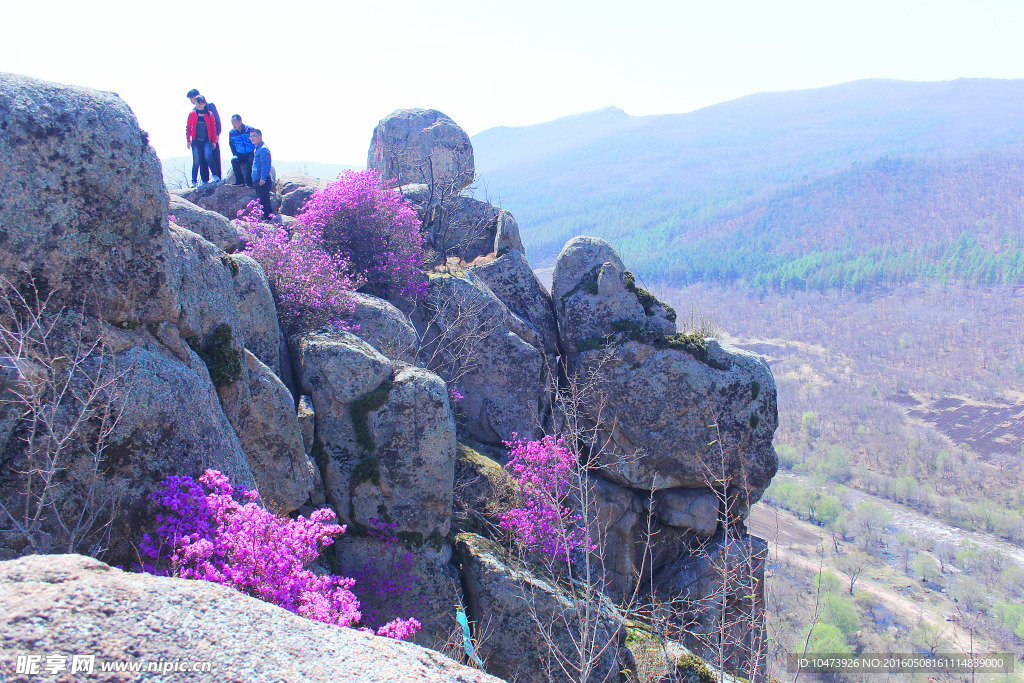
x,y
201,138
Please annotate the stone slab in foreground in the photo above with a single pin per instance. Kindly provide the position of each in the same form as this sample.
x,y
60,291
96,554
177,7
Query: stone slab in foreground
x,y
70,604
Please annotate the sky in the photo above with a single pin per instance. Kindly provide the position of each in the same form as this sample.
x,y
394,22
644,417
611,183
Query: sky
x,y
317,76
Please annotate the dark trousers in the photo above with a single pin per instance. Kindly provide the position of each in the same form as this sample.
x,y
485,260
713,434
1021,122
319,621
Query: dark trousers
x,y
243,168
263,192
202,159
215,166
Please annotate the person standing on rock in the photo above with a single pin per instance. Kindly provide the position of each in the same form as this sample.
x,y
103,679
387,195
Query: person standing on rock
x,y
201,138
193,95
242,149
261,178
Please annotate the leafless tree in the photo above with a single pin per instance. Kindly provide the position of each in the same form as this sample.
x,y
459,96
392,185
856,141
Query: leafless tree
x,y
63,386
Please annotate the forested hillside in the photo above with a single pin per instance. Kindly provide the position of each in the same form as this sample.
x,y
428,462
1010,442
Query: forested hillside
x,y
872,183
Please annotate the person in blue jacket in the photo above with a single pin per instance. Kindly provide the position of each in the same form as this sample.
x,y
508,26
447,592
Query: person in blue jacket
x,y
242,149
261,178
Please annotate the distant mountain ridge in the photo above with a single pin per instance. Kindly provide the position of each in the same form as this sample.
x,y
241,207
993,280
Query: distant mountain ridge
x,y
782,189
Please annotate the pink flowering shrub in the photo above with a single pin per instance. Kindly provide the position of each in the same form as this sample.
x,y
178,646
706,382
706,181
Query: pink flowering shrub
x,y
374,228
216,532
309,281
543,469
454,395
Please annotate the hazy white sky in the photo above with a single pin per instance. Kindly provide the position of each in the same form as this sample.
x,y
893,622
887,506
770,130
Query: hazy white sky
x,y
317,75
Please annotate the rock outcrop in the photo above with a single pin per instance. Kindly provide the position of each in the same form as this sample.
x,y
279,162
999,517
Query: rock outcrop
x,y
477,343
84,207
513,281
257,313
385,435
505,600
72,605
86,193
210,225
293,190
223,198
385,328
421,146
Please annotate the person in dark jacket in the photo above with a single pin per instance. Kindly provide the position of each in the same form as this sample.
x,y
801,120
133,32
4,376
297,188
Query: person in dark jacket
x,y
201,138
193,94
261,178
242,149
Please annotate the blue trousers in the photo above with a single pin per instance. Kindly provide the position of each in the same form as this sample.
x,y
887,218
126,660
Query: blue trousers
x,y
202,159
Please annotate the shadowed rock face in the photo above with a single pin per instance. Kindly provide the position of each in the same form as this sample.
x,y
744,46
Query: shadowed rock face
x,y
421,146
83,200
69,604
491,354
497,589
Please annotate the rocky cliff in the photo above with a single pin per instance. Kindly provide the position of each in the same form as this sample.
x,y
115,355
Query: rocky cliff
x,y
196,372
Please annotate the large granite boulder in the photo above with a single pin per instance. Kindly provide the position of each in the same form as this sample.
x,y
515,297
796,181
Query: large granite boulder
x,y
202,276
86,194
384,327
474,341
631,543
69,605
169,421
293,190
385,435
84,207
681,415
509,604
513,281
209,224
422,146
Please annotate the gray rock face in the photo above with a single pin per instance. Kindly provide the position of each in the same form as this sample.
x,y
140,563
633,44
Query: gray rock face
x,y
695,509
69,604
469,339
294,190
260,408
421,146
700,580
497,591
171,423
658,406
337,368
257,314
385,434
431,593
385,327
208,224
206,292
84,205
512,280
